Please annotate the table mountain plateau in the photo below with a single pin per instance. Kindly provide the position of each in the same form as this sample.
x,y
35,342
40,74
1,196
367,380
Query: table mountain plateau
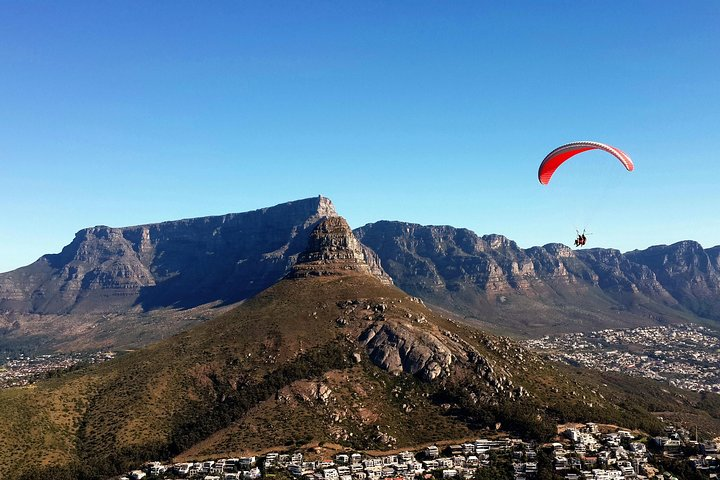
x,y
130,286
331,352
126,287
181,263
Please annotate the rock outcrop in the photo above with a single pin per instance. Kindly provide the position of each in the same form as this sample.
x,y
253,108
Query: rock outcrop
x,y
397,347
333,250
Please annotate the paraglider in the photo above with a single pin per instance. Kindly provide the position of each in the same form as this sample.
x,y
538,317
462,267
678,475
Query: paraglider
x,y
564,152
581,239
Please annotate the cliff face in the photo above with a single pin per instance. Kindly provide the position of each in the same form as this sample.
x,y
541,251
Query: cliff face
x,y
688,272
548,288
333,250
225,259
181,263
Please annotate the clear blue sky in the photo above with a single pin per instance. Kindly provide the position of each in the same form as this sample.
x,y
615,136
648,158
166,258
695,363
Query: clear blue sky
x,y
122,113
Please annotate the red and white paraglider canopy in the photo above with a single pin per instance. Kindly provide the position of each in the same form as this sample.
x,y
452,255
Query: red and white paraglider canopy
x,y
558,156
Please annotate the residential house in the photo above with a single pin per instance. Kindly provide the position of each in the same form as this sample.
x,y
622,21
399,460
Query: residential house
x,y
330,474
182,469
387,471
390,460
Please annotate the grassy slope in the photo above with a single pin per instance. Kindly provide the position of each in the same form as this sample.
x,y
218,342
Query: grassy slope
x,y
81,332
238,381
145,398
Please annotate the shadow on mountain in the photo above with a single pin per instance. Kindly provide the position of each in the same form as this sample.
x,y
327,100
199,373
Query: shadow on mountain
x,y
207,282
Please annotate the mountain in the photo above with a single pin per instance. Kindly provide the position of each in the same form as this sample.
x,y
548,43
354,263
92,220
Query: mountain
x,y
182,263
492,282
688,272
132,285
331,352
126,287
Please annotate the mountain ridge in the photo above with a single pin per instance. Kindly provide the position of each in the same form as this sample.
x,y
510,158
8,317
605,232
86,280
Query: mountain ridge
x,y
105,268
491,279
161,277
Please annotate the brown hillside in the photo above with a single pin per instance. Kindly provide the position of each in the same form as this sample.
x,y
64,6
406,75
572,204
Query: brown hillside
x,y
331,353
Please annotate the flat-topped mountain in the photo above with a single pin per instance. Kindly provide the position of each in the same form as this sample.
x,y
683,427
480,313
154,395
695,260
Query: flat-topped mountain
x,y
130,286
181,263
491,281
331,352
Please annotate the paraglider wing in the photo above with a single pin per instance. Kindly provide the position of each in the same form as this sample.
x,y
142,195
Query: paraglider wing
x,y
558,156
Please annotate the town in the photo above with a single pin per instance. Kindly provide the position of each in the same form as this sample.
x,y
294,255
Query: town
x,y
23,370
686,356
580,452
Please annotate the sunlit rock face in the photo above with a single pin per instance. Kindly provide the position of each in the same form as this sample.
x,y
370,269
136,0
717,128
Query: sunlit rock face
x,y
490,279
333,249
688,272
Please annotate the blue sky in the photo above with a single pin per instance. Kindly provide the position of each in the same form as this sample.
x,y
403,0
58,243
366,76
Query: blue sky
x,y
122,113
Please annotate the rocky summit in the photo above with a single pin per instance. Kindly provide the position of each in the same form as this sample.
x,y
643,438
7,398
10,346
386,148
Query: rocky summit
x,y
333,249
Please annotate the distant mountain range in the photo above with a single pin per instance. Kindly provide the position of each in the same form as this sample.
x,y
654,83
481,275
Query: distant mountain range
x,y
491,281
332,352
132,285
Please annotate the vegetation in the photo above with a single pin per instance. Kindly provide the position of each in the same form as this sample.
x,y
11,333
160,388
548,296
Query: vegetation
x,y
250,379
501,468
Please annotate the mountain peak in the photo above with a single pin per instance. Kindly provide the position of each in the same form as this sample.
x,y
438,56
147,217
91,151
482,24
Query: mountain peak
x,y
333,250
326,207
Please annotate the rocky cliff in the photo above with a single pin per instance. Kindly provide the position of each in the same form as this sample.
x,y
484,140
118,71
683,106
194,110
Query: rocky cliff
x,y
689,273
133,275
181,263
130,286
492,281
